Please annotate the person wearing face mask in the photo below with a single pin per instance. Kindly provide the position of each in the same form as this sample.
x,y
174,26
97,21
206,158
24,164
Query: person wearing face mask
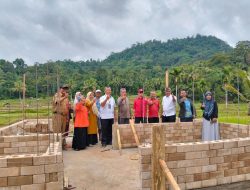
x,y
210,127
80,138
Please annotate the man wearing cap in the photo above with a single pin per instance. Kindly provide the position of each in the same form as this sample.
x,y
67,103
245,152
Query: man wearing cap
x,y
60,110
107,112
98,94
123,107
140,108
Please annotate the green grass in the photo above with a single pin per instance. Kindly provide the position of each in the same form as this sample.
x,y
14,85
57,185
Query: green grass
x,y
14,113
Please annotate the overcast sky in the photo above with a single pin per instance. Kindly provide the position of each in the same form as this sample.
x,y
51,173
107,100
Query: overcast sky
x,y
41,30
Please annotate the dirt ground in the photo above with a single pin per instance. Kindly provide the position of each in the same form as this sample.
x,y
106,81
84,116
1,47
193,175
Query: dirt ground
x,y
92,169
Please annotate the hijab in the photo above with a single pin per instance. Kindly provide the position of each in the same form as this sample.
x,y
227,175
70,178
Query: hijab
x,y
76,97
209,105
94,107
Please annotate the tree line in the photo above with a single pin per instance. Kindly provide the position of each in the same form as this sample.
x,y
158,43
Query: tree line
x,y
196,64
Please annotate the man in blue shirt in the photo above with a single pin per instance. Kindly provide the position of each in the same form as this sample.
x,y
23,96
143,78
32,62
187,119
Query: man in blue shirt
x,y
187,109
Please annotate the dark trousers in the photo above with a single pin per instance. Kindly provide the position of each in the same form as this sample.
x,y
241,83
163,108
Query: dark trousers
x,y
140,120
80,138
153,119
123,120
168,119
99,128
190,119
107,131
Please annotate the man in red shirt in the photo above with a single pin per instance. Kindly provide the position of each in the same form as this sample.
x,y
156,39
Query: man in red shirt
x,y
140,108
153,108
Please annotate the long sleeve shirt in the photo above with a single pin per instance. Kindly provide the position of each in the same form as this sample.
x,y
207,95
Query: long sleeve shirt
x,y
140,107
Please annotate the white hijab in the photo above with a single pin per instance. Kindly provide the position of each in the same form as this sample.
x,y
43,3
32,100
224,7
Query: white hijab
x,y
76,100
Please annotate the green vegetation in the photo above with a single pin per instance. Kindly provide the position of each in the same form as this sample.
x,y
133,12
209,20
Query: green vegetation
x,y
196,63
11,110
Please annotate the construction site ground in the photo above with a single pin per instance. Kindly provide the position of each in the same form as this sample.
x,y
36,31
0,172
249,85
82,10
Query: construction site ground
x,y
96,169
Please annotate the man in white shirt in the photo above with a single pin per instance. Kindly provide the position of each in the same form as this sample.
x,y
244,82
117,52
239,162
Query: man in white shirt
x,y
168,107
107,114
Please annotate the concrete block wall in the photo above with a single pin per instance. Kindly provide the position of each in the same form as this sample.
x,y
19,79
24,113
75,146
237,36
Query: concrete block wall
x,y
201,164
175,132
23,144
229,131
25,127
31,171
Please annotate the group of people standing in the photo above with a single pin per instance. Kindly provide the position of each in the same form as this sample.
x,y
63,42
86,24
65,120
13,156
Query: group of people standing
x,y
94,115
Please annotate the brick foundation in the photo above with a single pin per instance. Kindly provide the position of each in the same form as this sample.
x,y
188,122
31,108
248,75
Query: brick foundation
x,y
203,164
26,165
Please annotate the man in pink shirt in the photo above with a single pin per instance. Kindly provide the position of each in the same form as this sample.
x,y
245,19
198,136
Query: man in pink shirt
x,y
140,108
153,108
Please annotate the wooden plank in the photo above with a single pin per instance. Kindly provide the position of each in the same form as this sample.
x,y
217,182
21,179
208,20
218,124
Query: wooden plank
x,y
119,141
158,152
114,139
168,175
134,132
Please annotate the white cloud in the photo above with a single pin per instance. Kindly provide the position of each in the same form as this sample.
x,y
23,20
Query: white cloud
x,y
79,30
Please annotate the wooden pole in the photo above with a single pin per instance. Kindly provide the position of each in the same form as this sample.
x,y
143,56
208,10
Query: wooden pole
x,y
119,141
158,152
23,101
134,132
168,175
167,78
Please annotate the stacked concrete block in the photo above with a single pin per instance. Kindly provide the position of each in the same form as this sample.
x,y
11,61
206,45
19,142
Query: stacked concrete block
x,y
23,166
22,172
25,127
229,131
23,144
202,164
175,132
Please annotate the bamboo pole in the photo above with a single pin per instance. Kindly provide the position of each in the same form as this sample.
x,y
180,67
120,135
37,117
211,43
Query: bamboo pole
x,y
23,106
37,134
119,140
134,132
167,78
168,175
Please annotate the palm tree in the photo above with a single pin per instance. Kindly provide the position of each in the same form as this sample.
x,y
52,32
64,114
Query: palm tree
x,y
194,76
18,87
201,86
176,72
226,79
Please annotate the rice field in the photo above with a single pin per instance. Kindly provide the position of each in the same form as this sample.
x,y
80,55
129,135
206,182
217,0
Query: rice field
x,y
11,111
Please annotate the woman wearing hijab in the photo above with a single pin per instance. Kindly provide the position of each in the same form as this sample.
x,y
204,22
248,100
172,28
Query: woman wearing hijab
x,y
210,128
80,138
93,113
78,94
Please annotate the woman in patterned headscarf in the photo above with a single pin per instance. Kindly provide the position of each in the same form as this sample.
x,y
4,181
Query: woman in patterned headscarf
x,y
210,128
93,113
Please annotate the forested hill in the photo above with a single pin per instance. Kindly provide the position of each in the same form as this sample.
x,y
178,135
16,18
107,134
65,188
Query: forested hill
x,y
204,60
172,52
